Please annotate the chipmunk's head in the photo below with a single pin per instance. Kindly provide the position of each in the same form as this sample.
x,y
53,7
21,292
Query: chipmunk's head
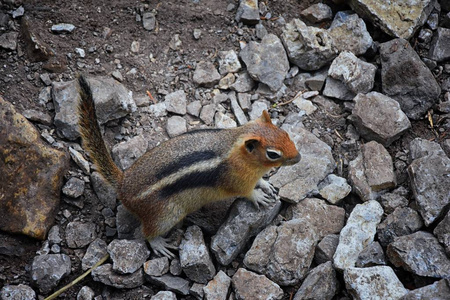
x,y
269,145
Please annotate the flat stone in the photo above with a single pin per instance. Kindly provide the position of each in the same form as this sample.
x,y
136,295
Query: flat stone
x,y
32,176
267,61
357,234
244,221
223,121
283,253
349,33
149,21
244,83
437,290
378,117
106,275
357,75
320,283
157,267
317,13
442,232
164,295
378,282
176,125
80,234
300,180
310,48
237,110
206,74
217,289
391,201
326,248
48,270
226,81
171,283
439,50
248,285
421,254
334,188
207,114
317,81
337,89
126,153
399,19
429,182
79,159
257,108
94,253
74,187
419,148
370,256
247,12
194,108
194,256
8,40
17,292
402,221
63,28
228,62
128,255
415,87
176,102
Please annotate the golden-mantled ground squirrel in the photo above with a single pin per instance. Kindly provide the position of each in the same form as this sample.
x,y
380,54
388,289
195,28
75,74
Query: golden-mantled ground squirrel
x,y
184,173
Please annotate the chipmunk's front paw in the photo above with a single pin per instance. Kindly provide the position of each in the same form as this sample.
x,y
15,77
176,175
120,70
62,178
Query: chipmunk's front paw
x,y
266,187
161,247
260,197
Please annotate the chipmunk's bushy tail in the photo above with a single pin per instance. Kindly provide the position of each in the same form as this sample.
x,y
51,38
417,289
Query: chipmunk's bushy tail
x,y
92,138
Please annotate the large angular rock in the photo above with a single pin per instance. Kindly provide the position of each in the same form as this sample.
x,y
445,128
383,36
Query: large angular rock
x,y
310,48
378,282
248,285
266,61
320,283
349,33
372,171
399,19
206,74
442,232
317,13
32,175
228,62
439,50
370,256
430,183
112,101
357,75
106,275
80,234
378,117
402,221
283,253
438,290
414,87
168,282
127,152
300,180
357,234
128,255
247,12
326,248
334,188
218,287
17,292
421,254
421,147
47,270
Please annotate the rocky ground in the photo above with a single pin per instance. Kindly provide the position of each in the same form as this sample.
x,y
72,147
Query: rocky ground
x,y
362,88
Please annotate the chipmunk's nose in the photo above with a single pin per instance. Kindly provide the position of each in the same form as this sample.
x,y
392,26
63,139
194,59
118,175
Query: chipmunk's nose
x,y
293,161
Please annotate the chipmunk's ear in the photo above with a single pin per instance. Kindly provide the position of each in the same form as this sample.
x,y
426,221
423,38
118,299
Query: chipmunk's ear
x,y
265,118
251,144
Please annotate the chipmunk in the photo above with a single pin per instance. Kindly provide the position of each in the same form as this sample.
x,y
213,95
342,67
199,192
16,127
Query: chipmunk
x,y
184,173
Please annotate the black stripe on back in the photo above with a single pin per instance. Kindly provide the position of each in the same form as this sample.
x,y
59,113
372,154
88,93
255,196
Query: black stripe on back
x,y
194,180
202,130
185,161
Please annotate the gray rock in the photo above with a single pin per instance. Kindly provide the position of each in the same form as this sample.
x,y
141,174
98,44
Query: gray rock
x,y
334,188
80,234
305,106
104,191
320,283
310,48
217,289
63,28
244,83
158,109
54,236
237,110
95,252
372,171
399,20
157,267
206,74
357,234
222,121
326,219
207,113
171,283
85,293
415,87
126,153
317,13
197,33
283,253
79,159
260,31
326,248
248,285
370,256
17,292
442,232
266,61
48,270
391,201
336,89
194,108
228,62
349,33
37,116
175,267
438,290
106,275
257,108
378,117
227,81
421,254
194,256
243,222
127,223
175,42
302,179
317,81
176,125
196,290
402,221
247,12
118,76
74,187
439,50
149,21
8,40
81,53
176,102
358,76
378,282
128,255
429,182
164,295
420,147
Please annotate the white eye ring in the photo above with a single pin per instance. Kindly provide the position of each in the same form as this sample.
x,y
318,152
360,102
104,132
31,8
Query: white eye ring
x,y
273,154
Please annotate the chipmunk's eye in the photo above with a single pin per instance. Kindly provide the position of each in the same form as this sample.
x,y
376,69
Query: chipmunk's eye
x,y
273,154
